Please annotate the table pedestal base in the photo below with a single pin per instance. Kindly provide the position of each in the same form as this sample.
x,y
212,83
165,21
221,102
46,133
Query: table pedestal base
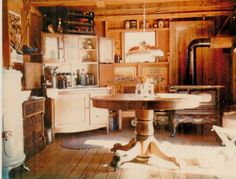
x,y
141,148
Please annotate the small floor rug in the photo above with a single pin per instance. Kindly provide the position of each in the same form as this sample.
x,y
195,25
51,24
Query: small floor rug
x,y
77,144
92,142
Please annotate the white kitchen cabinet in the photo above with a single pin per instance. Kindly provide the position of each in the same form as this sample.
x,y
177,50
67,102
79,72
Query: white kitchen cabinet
x,y
106,50
71,48
53,47
98,116
79,52
74,111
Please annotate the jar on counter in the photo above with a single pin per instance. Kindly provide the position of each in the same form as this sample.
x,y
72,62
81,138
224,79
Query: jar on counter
x,y
73,79
61,81
83,79
68,79
64,82
78,82
92,79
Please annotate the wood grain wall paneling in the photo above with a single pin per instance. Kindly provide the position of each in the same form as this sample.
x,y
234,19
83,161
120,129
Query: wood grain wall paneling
x,y
181,34
35,35
5,36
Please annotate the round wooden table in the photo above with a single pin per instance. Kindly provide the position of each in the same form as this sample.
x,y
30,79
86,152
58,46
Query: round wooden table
x,y
141,148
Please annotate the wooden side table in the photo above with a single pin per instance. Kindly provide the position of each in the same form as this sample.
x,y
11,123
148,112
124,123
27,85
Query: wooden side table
x,y
33,126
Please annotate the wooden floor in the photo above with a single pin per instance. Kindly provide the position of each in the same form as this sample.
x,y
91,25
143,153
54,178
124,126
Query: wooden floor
x,y
59,163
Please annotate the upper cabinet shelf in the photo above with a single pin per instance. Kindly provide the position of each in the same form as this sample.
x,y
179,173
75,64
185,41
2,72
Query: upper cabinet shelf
x,y
138,30
80,14
70,48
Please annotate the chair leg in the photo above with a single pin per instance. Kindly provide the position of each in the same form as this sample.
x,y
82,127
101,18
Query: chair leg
x,y
175,124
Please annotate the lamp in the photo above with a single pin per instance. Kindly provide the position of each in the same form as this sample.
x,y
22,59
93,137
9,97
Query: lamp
x,y
143,50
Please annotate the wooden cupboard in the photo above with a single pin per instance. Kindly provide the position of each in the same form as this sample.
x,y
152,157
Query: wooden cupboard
x,y
106,74
116,30
124,75
158,72
74,111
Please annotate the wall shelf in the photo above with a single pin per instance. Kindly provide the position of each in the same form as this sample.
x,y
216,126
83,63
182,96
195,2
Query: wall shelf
x,y
38,53
138,30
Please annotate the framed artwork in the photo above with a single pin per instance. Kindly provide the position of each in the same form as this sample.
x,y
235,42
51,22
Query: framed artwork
x,y
134,40
124,74
15,37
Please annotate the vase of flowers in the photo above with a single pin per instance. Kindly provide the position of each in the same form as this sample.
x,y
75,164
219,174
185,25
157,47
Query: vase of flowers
x,y
144,86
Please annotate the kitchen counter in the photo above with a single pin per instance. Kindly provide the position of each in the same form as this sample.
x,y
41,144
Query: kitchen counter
x,y
73,109
53,92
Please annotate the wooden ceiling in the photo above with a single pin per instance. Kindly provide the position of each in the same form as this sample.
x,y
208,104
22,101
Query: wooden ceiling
x,y
163,8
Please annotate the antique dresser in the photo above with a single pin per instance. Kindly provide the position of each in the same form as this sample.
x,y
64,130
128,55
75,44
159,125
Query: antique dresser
x,y
33,123
209,110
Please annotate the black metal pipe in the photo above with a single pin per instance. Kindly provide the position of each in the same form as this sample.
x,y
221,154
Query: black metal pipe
x,y
191,77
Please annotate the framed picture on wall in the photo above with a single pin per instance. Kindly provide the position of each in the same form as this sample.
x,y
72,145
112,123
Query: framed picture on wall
x,y
15,37
134,41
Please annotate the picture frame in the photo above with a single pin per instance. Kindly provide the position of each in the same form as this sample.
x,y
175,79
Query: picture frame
x,y
15,37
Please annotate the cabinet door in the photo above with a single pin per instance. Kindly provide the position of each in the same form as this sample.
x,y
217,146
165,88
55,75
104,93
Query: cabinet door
x,y
53,47
106,50
72,112
98,116
71,43
106,74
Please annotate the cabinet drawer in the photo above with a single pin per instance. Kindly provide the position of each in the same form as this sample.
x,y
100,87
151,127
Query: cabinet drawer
x,y
33,106
98,116
33,122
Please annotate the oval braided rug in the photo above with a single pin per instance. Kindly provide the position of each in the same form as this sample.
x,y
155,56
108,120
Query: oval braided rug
x,y
78,144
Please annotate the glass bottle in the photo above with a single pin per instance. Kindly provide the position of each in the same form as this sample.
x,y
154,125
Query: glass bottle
x,y
64,81
68,79
78,81
59,27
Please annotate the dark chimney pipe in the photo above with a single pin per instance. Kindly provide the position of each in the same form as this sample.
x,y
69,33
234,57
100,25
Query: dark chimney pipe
x,y
191,60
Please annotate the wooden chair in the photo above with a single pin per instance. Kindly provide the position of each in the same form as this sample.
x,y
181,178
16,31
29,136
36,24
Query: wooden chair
x,y
120,89
227,134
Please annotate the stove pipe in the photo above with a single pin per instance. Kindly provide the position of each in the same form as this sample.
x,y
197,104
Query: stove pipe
x,y
191,60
